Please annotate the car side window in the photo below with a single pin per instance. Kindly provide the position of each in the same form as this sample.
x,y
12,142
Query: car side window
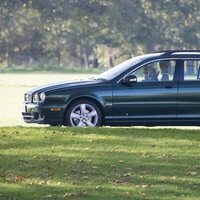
x,y
192,70
156,71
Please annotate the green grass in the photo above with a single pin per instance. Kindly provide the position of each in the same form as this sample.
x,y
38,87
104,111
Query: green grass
x,y
101,163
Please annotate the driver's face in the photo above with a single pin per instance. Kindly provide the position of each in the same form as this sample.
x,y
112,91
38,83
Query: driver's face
x,y
145,71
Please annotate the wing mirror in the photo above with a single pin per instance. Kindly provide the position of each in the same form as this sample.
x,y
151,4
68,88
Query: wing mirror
x,y
128,80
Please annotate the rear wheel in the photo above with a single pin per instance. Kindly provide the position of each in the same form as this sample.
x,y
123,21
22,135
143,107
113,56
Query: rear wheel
x,y
83,113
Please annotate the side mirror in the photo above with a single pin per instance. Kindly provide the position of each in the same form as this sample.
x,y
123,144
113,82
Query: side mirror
x,y
128,80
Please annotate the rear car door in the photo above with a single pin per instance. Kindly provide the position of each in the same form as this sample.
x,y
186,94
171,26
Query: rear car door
x,y
188,107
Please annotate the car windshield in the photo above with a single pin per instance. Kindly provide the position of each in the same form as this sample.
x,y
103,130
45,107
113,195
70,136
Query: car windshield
x,y
117,70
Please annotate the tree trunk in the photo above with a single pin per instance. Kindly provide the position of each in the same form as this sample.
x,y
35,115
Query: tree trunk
x,y
86,61
7,56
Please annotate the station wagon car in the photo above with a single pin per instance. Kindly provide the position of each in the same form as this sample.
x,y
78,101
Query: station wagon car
x,y
161,88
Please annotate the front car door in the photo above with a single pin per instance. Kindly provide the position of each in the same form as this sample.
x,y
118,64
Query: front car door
x,y
188,107
152,98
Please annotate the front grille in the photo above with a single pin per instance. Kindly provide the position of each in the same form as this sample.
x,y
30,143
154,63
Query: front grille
x,y
27,97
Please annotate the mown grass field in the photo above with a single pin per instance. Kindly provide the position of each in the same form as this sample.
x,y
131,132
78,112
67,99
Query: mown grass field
x,y
101,163
13,87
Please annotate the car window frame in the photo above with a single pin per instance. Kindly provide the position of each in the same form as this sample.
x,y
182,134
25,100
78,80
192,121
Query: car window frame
x,y
198,79
176,72
181,79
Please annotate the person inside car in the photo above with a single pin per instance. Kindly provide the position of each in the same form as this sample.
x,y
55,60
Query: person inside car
x,y
164,65
150,74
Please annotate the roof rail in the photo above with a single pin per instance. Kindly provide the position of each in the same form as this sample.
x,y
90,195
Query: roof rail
x,y
168,52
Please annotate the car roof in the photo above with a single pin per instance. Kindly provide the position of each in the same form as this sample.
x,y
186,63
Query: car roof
x,y
168,54
180,53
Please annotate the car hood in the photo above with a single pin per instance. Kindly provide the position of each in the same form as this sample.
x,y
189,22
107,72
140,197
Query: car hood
x,y
61,85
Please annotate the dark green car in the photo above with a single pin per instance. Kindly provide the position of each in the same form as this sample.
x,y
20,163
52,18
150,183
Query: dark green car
x,y
154,89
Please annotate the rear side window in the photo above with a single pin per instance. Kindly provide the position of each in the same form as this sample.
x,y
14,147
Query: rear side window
x,y
192,70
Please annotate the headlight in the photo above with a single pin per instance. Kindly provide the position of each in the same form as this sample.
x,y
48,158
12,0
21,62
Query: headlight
x,y
42,97
39,97
35,98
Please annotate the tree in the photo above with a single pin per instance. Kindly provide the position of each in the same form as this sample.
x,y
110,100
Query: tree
x,y
89,33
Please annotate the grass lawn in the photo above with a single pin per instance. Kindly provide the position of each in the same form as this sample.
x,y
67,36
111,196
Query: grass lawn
x,y
99,164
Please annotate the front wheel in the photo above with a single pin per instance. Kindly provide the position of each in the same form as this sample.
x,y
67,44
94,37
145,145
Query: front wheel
x,y
83,113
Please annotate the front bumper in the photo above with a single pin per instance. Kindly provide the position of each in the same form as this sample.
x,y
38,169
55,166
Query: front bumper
x,y
31,113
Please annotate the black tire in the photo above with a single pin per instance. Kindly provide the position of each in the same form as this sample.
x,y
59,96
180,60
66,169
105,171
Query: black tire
x,y
89,107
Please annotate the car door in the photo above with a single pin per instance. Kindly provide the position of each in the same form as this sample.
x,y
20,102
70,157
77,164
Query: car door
x,y
153,99
188,102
